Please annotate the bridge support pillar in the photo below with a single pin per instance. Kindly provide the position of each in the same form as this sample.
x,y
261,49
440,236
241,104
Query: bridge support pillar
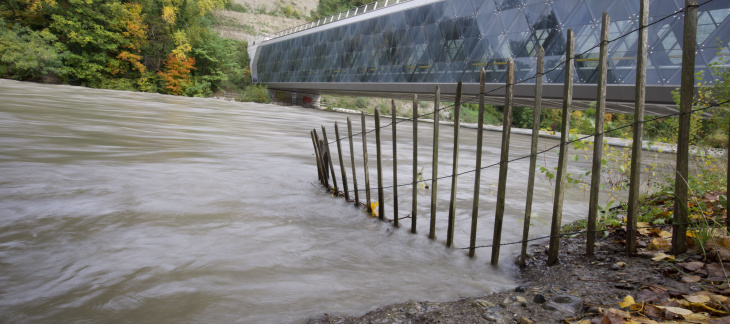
x,y
308,100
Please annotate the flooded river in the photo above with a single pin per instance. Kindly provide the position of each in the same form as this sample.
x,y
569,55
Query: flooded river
x,y
130,207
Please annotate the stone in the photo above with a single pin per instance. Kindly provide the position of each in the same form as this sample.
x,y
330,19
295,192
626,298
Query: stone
x,y
615,266
569,305
624,285
539,299
481,303
520,289
525,320
520,299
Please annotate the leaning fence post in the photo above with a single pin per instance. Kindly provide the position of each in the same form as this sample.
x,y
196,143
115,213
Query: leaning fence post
x,y
352,160
365,163
316,157
478,168
342,163
331,163
640,96
598,139
685,109
395,167
381,197
321,156
435,164
504,161
533,153
414,202
563,158
455,167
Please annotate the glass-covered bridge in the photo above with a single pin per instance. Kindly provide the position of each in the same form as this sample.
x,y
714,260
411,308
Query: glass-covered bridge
x,y
410,47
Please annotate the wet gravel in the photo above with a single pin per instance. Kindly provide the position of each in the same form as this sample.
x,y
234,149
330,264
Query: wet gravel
x,y
572,289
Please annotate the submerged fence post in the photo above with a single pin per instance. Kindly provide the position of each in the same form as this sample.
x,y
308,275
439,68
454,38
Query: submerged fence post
x,y
352,160
369,207
381,197
685,109
640,96
342,163
504,161
455,167
414,202
331,163
435,163
395,167
321,156
563,158
478,168
598,139
533,153
316,157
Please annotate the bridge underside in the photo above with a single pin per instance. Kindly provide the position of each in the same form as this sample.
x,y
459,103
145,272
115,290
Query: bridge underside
x,y
620,98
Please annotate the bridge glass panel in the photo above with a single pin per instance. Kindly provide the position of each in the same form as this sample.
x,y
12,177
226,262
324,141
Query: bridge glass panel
x,y
452,40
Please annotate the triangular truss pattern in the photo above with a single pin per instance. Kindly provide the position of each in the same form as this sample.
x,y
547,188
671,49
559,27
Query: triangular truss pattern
x,y
452,40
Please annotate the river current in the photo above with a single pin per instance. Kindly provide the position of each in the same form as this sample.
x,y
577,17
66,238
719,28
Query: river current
x,y
131,207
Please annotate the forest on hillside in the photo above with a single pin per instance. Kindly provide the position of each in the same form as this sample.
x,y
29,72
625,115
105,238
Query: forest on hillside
x,y
164,46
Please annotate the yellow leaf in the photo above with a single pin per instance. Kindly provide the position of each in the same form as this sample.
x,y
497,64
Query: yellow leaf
x,y
698,299
665,234
628,301
661,256
374,208
676,310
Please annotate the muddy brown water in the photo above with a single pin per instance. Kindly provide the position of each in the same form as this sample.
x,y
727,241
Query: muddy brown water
x,y
127,207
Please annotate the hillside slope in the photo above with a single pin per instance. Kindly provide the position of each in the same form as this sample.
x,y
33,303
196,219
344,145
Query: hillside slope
x,y
246,19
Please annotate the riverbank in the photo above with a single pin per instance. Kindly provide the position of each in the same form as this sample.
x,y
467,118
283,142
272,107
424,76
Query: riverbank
x,y
612,141
578,289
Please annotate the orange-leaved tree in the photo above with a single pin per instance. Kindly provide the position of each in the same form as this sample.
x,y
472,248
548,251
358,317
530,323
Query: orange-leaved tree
x,y
177,73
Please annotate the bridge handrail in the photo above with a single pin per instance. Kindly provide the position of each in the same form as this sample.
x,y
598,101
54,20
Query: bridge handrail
x,y
372,6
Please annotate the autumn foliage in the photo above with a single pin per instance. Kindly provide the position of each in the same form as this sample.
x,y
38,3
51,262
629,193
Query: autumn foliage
x,y
177,73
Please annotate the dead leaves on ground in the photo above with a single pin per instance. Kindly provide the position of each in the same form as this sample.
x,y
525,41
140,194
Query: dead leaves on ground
x,y
699,307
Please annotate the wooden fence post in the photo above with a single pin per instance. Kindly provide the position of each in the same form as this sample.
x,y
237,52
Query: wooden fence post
x,y
435,163
478,168
455,167
321,155
352,160
598,139
414,202
316,157
381,197
685,109
395,166
369,207
342,163
640,97
331,162
504,161
533,153
563,158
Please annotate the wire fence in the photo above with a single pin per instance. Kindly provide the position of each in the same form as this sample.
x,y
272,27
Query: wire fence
x,y
682,114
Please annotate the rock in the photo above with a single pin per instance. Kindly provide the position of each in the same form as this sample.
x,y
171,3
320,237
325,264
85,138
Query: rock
x,y
615,266
539,299
520,299
481,303
525,320
520,289
494,317
594,310
413,308
624,285
566,304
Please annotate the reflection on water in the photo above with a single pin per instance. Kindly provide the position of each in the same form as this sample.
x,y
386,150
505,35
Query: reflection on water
x,y
119,206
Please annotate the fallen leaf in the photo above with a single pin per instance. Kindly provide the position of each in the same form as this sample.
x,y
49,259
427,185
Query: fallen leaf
x,y
698,299
660,244
676,310
665,234
690,279
661,256
692,266
628,301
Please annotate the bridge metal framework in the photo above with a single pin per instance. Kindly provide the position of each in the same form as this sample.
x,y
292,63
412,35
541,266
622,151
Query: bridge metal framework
x,y
414,46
